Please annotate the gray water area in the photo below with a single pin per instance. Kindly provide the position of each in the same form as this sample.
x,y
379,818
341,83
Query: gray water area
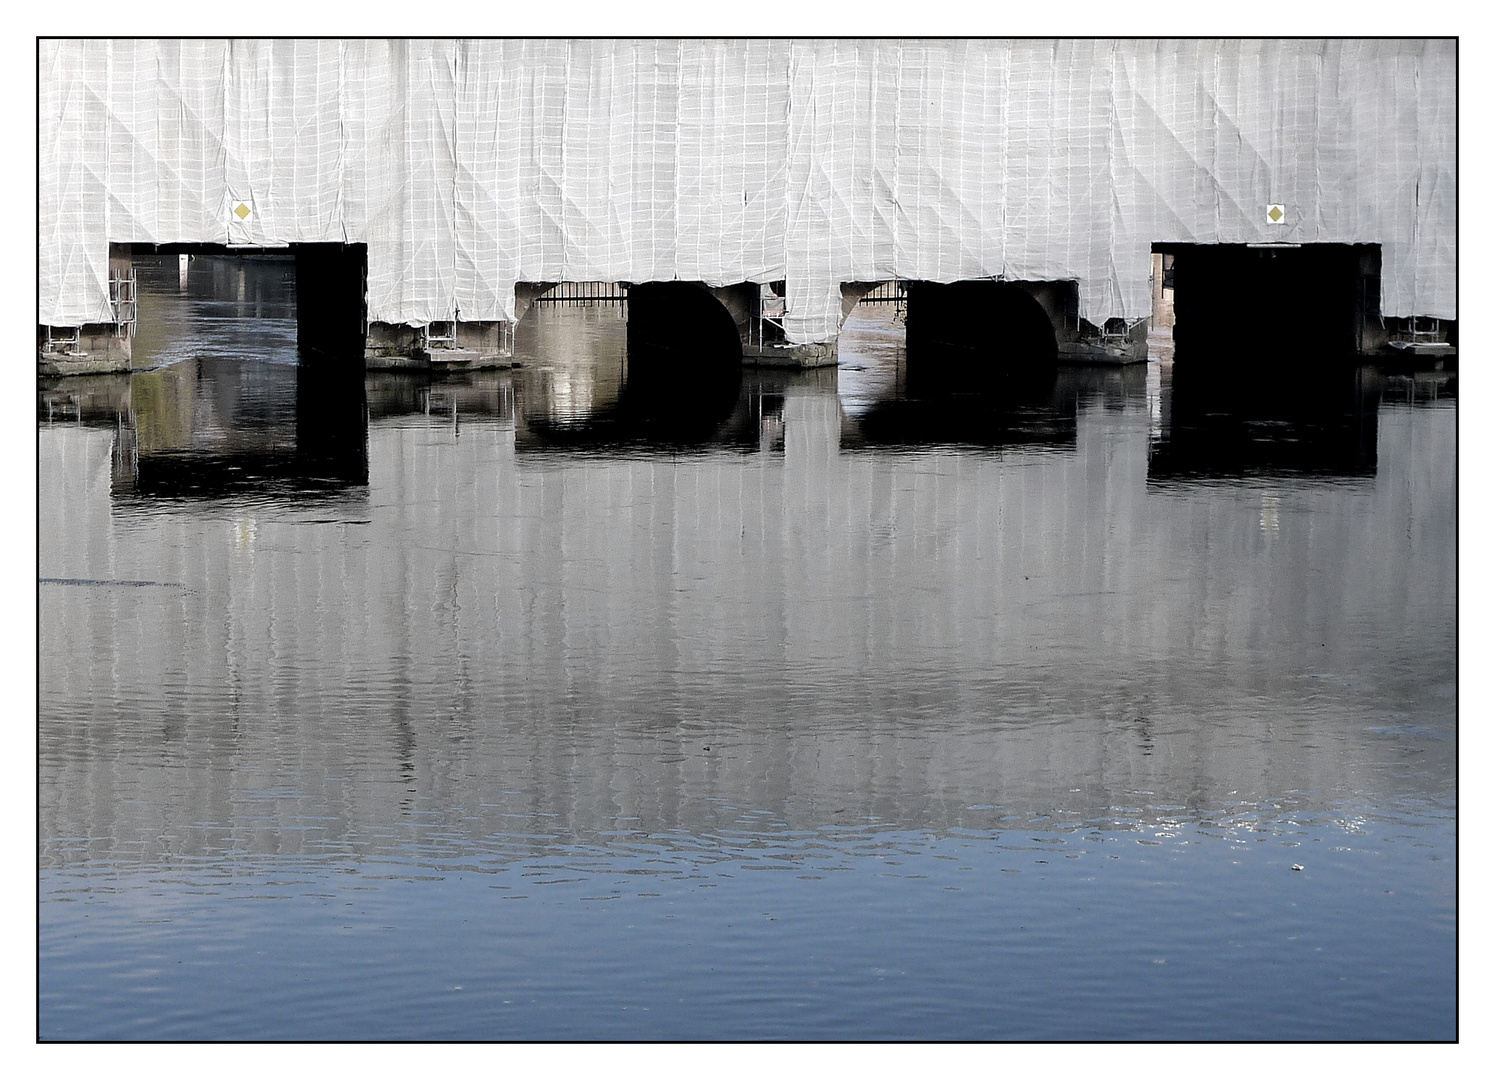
x,y
503,706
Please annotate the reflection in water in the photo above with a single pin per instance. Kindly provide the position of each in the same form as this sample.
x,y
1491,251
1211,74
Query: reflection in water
x,y
488,395
210,428
1035,411
224,404
1262,420
762,740
667,401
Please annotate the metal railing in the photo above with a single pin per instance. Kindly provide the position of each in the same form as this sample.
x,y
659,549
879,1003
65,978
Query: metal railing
x,y
585,293
64,340
442,334
1118,331
439,335
1424,330
890,292
771,312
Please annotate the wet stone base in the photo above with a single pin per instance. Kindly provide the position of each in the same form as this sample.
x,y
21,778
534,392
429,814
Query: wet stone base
x,y
59,364
784,355
439,360
1092,352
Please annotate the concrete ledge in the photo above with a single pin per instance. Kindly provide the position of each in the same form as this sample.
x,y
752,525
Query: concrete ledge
x,y
58,364
813,355
381,361
466,360
1441,349
1088,352
435,360
396,347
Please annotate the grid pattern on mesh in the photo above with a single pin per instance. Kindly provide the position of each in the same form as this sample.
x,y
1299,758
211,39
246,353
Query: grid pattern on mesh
x,y
469,166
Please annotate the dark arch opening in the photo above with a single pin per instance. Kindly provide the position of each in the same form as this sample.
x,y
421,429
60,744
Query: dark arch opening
x,y
974,336
682,318
1303,302
684,362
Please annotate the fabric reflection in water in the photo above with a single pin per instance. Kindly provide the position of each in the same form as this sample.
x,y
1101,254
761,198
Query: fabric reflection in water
x,y
523,704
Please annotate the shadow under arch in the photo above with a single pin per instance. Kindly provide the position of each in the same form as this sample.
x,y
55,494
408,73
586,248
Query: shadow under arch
x,y
681,318
978,336
684,362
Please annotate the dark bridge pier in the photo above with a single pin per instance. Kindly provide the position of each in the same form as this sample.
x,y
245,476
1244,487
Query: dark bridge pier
x,y
1317,303
330,300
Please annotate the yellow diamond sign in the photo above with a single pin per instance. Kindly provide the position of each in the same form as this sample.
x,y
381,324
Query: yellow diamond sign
x,y
241,211
1276,214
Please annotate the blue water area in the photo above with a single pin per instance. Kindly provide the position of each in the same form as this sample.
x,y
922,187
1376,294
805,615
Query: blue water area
x,y
1248,926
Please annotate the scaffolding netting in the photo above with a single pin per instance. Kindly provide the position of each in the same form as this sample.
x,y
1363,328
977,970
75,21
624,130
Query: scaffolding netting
x,y
468,166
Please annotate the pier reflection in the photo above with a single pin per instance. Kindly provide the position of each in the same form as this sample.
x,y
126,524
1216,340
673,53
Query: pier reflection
x,y
217,427
1234,420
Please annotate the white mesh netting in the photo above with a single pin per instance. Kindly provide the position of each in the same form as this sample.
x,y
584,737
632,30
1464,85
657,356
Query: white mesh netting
x,y
468,166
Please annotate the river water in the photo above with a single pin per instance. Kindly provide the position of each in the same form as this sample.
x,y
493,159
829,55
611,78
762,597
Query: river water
x,y
493,707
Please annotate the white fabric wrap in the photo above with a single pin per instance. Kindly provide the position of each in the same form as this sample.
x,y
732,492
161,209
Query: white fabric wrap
x,y
469,166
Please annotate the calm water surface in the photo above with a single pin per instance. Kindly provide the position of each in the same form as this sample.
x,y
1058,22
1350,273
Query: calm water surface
x,y
507,706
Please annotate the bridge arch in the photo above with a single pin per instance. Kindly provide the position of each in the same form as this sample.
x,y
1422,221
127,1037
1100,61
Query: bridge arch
x,y
681,320
684,369
977,331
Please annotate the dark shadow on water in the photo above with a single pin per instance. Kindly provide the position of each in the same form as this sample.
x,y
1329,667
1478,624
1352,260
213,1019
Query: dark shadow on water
x,y
1260,419
963,402
332,421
